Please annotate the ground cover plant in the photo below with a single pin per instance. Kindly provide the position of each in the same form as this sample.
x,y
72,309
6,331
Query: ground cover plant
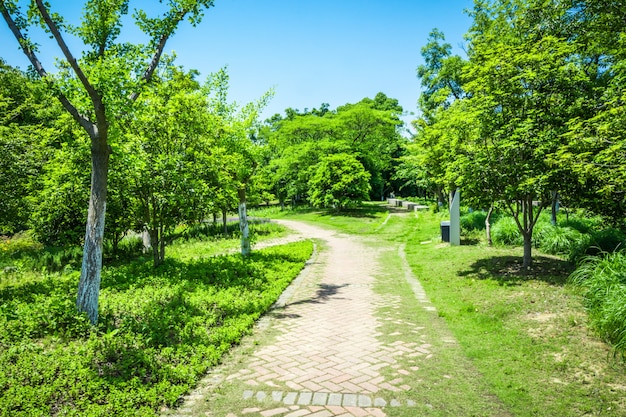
x,y
527,332
160,330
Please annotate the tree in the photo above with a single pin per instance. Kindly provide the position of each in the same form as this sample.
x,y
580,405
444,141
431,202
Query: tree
x,y
27,116
434,147
522,86
340,181
171,137
97,90
236,137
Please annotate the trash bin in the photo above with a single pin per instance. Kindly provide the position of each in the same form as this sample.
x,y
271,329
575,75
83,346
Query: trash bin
x,y
445,231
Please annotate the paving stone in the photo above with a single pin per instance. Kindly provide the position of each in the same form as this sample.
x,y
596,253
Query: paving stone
x,y
247,394
379,402
277,396
261,395
274,412
350,400
334,399
290,398
364,401
320,398
305,398
395,403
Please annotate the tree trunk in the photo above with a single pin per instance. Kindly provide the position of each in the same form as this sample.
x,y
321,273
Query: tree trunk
x,y
488,226
89,283
224,222
155,243
243,224
528,250
440,197
555,207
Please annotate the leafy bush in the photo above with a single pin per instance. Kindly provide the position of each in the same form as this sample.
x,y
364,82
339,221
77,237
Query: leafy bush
x,y
557,240
18,244
473,221
596,243
159,332
602,281
505,232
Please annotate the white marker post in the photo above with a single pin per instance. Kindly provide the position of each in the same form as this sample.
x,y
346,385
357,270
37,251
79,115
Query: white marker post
x,y
455,219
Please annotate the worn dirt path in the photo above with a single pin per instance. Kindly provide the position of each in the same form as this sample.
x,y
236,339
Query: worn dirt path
x,y
323,350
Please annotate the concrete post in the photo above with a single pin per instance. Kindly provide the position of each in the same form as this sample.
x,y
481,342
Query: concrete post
x,y
455,219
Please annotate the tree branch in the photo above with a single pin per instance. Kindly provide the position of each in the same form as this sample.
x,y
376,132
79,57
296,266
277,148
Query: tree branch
x,y
95,97
34,60
149,72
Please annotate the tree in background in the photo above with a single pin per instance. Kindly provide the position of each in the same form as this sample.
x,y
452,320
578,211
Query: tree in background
x,y
434,146
170,140
369,130
235,140
98,89
27,123
340,181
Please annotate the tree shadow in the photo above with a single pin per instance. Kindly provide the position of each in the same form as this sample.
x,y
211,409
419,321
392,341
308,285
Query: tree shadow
x,y
322,295
508,270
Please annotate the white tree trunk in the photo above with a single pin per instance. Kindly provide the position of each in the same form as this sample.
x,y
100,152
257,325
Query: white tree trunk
x,y
89,284
243,225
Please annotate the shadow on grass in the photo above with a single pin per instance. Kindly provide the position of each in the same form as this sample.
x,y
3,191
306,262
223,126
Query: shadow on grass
x,y
508,270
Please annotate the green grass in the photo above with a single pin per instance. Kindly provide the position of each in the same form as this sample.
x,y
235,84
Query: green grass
x,y
602,282
159,330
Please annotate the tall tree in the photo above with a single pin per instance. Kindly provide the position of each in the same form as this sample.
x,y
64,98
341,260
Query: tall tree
x,y
522,85
97,89
239,126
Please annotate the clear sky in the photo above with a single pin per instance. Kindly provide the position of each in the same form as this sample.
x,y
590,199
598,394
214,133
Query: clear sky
x,y
310,52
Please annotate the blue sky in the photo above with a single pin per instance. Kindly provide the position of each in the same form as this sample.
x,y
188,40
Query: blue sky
x,y
310,52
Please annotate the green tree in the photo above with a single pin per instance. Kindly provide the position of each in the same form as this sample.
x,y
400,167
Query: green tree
x,y
340,181
98,89
27,123
522,84
241,153
171,147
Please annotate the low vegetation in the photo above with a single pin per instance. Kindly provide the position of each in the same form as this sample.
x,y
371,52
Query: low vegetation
x,y
160,329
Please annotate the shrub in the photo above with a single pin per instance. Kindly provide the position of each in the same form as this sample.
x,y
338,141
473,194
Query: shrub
x,y
557,240
596,243
602,281
473,221
505,232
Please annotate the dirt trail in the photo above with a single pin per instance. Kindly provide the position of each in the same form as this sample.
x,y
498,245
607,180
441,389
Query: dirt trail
x,y
327,350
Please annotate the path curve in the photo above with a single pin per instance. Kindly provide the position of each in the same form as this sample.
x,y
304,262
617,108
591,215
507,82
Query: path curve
x,y
326,356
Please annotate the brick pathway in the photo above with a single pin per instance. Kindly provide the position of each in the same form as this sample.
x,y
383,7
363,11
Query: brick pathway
x,y
326,358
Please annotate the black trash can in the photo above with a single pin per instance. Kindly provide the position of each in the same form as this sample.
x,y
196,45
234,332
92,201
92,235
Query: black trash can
x,y
445,231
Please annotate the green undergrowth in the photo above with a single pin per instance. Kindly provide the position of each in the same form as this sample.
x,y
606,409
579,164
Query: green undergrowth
x,y
159,331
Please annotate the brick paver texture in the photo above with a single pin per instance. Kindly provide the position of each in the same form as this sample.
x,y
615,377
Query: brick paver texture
x,y
327,357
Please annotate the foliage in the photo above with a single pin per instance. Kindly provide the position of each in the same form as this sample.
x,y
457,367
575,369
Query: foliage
x,y
506,232
602,282
340,182
159,332
27,115
474,220
368,130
